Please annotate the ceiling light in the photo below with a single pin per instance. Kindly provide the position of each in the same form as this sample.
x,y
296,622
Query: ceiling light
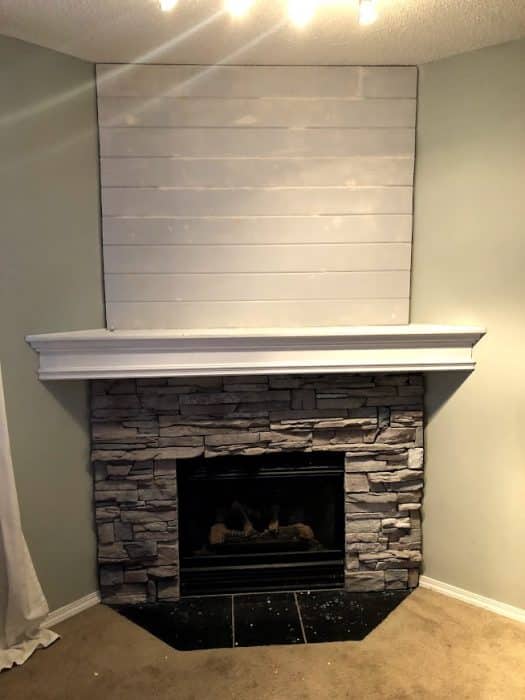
x,y
367,12
301,12
167,5
238,8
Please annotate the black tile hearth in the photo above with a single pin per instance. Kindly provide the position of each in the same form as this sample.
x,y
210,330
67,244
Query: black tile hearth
x,y
191,623
339,616
258,619
262,619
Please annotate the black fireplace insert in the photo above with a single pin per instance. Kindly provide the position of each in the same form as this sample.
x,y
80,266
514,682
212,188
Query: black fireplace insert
x,y
261,523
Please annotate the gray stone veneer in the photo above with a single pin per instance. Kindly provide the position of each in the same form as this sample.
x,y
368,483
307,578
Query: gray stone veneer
x,y
140,427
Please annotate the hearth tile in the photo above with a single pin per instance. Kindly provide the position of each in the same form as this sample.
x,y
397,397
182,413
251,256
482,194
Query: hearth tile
x,y
266,618
338,616
190,623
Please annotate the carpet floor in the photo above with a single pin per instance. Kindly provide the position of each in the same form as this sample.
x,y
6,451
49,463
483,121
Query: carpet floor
x,y
429,647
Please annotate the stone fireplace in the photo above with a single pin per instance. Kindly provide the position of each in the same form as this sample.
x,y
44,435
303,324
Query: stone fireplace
x,y
144,431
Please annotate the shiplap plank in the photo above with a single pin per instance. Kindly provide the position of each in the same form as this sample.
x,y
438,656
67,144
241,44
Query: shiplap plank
x,y
250,314
256,196
227,81
262,112
392,82
256,287
361,228
255,258
250,172
262,142
131,201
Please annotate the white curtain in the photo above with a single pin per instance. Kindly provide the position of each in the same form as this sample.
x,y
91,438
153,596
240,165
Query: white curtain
x,y
23,606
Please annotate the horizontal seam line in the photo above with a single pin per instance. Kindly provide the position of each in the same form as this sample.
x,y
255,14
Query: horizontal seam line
x,y
251,301
109,244
279,158
261,188
262,272
267,272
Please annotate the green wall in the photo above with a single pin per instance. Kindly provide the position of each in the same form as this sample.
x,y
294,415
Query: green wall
x,y
50,280
469,267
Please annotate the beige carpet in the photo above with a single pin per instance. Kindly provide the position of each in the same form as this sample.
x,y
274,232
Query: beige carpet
x,y
429,647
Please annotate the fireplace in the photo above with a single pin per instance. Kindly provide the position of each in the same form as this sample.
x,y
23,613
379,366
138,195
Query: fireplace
x,y
313,480
261,523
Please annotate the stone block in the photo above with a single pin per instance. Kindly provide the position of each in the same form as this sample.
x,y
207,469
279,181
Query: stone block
x,y
413,578
129,496
224,439
118,470
362,526
365,581
167,554
406,419
147,516
397,436
158,493
407,507
394,478
106,513
115,401
163,571
415,458
112,553
184,441
127,593
365,547
351,562
342,402
165,467
396,579
123,531
351,538
356,483
399,523
303,398
111,575
135,576
106,533
141,550
385,503
168,590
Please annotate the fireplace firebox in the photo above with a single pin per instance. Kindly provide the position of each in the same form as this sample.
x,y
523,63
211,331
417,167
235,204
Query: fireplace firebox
x,y
261,523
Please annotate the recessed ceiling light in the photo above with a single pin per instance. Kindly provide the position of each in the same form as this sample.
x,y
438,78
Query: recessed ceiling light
x,y
301,12
367,12
238,8
167,5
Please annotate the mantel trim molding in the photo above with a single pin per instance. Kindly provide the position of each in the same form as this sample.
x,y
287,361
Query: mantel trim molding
x,y
103,354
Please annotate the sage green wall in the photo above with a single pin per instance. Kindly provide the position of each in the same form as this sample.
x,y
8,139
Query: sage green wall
x,y
469,267
50,280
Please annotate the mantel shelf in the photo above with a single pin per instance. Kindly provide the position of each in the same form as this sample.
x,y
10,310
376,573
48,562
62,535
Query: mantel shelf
x,y
100,353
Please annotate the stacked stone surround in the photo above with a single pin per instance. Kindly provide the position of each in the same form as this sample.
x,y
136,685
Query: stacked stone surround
x,y
141,427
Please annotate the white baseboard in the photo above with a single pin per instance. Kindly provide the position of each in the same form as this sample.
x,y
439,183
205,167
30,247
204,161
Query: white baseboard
x,y
71,609
479,601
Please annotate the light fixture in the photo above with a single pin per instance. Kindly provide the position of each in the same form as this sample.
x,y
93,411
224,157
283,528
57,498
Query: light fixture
x,y
367,12
238,8
301,12
167,5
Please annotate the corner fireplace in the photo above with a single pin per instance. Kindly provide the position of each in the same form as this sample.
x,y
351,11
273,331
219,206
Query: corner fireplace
x,y
261,523
259,459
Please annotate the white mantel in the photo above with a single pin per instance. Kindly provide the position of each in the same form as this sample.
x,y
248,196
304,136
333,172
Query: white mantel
x,y
100,353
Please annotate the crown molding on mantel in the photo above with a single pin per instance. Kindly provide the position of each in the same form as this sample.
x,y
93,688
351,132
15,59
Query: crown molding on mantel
x,y
100,353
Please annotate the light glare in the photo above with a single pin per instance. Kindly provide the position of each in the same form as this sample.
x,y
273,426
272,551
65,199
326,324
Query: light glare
x,y
367,12
238,8
301,12
167,5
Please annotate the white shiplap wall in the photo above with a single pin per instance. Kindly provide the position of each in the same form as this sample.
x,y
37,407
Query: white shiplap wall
x,y
256,196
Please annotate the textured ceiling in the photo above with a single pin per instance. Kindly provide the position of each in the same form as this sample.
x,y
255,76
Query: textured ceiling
x,y
199,31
